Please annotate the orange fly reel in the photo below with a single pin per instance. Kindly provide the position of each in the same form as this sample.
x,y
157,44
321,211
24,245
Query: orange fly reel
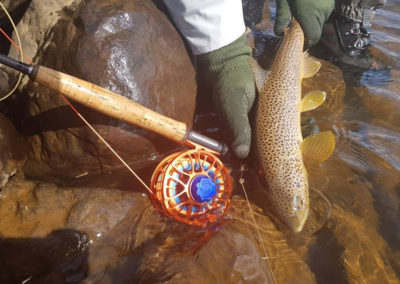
x,y
192,187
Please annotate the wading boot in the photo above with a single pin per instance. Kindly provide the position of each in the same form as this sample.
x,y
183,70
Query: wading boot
x,y
348,37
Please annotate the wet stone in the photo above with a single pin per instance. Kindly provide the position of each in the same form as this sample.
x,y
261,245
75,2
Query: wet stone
x,y
10,5
113,236
35,20
120,45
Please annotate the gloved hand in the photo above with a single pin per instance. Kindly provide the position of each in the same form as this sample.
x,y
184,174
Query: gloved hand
x,y
233,90
311,15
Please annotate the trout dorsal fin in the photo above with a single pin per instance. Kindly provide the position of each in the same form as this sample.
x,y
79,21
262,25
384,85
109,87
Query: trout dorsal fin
x,y
260,75
318,147
312,100
310,65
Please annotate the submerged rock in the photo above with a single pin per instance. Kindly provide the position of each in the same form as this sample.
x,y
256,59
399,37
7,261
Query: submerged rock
x,y
354,246
379,95
46,232
55,234
128,47
116,236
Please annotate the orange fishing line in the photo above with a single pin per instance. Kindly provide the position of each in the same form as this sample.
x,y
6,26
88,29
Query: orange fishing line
x,y
16,46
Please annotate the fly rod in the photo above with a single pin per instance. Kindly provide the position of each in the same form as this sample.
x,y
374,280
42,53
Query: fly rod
x,y
114,105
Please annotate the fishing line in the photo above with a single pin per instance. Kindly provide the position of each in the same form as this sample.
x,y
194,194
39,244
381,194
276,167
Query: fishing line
x,y
107,144
241,181
19,48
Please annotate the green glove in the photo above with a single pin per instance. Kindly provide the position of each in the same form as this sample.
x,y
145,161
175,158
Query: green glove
x,y
311,15
232,84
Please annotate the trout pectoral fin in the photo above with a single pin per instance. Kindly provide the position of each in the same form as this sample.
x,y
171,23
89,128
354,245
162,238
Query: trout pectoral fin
x,y
312,100
318,147
310,65
260,75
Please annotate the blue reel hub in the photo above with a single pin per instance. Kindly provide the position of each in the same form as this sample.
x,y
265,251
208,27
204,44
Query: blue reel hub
x,y
203,188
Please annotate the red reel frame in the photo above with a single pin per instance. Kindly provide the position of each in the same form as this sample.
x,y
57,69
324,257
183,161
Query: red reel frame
x,y
192,187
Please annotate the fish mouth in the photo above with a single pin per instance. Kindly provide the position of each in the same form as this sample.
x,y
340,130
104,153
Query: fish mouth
x,y
298,215
299,228
297,222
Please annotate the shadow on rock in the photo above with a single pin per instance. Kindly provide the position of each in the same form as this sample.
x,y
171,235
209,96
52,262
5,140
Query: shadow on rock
x,y
60,257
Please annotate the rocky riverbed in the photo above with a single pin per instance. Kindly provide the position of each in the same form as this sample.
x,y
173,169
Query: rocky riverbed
x,y
69,213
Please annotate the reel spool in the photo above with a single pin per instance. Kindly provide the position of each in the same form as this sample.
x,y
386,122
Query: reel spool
x,y
192,187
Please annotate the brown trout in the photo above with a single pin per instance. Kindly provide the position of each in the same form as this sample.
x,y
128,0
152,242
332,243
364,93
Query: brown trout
x,y
278,140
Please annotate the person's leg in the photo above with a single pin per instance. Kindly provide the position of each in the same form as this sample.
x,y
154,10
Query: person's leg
x,y
358,10
351,22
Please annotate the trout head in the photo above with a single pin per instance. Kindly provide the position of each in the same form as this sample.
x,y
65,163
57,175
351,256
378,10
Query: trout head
x,y
297,213
289,198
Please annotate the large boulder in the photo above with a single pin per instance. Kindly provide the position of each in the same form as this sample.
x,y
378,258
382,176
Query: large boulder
x,y
128,47
35,20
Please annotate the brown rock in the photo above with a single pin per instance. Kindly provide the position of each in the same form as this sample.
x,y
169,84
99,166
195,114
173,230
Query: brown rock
x,y
128,47
46,231
35,27
96,234
10,5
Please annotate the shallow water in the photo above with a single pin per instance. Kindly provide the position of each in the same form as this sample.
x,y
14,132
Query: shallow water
x,y
352,235
360,243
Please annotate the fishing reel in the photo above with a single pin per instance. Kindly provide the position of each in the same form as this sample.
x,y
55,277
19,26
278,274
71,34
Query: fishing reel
x,y
192,187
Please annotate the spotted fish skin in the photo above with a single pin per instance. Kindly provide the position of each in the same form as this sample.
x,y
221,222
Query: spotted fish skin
x,y
277,129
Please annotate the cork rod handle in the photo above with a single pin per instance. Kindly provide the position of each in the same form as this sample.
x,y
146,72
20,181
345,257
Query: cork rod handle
x,y
111,104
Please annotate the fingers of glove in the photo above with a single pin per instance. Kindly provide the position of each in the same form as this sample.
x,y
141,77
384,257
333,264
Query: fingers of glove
x,y
312,28
234,96
231,79
235,116
283,16
311,15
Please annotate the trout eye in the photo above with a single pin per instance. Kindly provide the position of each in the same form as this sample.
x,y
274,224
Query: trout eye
x,y
298,202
